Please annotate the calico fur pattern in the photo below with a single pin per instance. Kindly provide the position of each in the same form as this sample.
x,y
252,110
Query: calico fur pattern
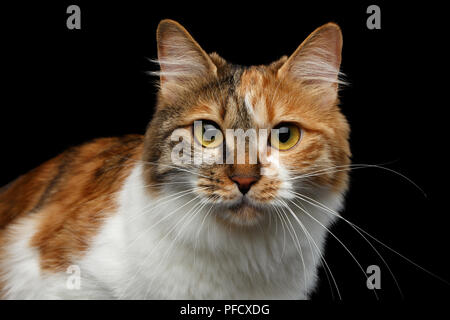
x,y
138,227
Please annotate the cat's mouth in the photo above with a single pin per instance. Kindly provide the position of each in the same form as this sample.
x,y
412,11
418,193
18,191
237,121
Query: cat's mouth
x,y
242,203
243,212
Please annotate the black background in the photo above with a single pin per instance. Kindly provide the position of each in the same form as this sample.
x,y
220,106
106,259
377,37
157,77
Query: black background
x,y
63,87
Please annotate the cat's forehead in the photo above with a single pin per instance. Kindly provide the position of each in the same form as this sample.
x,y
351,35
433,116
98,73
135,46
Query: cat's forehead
x,y
253,101
246,97
256,87
236,99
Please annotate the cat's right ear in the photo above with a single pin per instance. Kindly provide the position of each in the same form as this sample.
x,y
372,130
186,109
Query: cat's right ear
x,y
180,57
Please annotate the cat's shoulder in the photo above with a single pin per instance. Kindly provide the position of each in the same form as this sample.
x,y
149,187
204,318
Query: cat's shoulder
x,y
89,170
59,207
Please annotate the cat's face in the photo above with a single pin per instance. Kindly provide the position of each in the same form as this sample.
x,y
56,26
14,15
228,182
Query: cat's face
x,y
290,108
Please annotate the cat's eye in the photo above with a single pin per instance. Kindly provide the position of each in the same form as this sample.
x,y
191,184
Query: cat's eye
x,y
208,134
285,136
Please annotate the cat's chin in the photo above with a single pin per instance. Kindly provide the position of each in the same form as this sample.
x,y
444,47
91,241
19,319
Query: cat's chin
x,y
243,214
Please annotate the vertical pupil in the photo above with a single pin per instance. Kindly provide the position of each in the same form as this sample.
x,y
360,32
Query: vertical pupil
x,y
284,134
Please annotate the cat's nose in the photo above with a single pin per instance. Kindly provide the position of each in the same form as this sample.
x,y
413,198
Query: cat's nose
x,y
244,183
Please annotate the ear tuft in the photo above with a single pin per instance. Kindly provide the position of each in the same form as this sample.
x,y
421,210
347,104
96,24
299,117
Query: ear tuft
x,y
180,57
317,60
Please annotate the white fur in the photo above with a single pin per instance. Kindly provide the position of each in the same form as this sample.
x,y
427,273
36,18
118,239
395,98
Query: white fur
x,y
146,250
22,275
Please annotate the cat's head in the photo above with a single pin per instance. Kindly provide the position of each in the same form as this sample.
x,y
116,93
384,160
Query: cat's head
x,y
291,106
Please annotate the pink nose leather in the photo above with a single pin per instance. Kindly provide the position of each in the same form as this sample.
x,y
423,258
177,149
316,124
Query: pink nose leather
x,y
244,183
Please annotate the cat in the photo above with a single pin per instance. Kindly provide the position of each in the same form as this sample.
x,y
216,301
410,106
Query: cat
x,y
117,218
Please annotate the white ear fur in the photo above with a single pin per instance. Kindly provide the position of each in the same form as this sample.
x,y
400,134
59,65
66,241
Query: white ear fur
x,y
180,56
317,60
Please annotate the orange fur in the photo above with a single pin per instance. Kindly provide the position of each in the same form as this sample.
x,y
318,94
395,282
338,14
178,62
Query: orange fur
x,y
70,195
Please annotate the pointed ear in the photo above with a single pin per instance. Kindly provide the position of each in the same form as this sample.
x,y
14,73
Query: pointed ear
x,y
180,56
317,60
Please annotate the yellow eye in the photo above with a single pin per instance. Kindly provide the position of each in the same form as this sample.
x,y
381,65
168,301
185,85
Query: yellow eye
x,y
208,134
285,136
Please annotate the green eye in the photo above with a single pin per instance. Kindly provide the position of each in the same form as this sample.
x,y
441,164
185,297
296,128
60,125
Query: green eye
x,y
208,134
285,136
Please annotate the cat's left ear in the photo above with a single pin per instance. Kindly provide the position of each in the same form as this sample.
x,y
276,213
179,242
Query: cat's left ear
x,y
180,57
317,60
